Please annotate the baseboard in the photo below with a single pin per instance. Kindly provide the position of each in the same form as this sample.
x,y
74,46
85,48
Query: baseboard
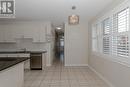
x,y
103,78
76,64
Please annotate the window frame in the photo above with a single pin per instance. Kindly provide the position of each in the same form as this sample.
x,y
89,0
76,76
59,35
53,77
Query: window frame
x,y
121,60
117,34
106,35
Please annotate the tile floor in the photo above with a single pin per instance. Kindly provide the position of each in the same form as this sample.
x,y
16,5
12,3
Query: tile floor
x,y
60,76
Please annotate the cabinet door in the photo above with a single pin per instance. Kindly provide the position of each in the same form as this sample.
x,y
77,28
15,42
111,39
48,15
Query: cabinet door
x,y
28,30
17,30
42,34
1,34
43,60
36,35
48,29
22,30
8,34
27,64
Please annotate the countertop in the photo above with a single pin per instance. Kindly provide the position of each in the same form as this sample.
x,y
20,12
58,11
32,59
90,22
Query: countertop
x,y
11,52
9,62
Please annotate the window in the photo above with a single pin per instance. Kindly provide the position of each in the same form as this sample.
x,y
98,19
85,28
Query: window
x,y
106,24
111,35
120,35
94,38
115,35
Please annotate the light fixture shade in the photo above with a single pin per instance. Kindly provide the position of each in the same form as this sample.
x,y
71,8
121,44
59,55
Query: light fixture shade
x,y
73,19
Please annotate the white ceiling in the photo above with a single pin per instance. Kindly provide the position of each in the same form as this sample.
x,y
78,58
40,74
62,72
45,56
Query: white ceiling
x,y
57,11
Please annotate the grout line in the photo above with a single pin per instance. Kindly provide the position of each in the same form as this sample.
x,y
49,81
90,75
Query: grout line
x,y
79,73
43,78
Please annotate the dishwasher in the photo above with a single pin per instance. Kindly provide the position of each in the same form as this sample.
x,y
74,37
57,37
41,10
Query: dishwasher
x,y
36,61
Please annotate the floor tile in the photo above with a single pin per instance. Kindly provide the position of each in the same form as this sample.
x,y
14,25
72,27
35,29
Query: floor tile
x,y
60,76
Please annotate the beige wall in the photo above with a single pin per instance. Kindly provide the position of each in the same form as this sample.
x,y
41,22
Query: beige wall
x,y
76,44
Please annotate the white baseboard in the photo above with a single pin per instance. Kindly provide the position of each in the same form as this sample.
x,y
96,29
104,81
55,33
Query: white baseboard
x,y
76,64
103,78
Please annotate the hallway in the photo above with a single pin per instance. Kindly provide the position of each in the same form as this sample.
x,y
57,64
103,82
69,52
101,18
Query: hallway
x,y
60,76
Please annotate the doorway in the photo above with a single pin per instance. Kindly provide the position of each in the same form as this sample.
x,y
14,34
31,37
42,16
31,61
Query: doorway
x,y
59,44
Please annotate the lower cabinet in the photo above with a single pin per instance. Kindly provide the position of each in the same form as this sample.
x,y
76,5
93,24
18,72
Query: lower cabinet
x,y
20,55
13,76
27,62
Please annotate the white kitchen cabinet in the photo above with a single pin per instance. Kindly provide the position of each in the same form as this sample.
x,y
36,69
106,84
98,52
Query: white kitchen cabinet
x,y
37,31
28,29
35,35
34,30
6,34
43,61
27,64
1,34
40,35
9,35
48,29
19,30
13,76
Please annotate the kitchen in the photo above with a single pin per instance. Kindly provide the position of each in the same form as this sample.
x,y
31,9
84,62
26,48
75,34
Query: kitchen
x,y
24,44
35,33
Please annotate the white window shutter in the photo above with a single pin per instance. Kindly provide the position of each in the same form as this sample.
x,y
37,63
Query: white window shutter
x,y
120,37
106,24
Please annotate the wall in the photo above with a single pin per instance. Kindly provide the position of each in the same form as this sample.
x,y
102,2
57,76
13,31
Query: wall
x,y
113,72
76,44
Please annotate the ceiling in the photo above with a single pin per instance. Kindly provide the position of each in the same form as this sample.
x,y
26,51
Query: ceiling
x,y
57,11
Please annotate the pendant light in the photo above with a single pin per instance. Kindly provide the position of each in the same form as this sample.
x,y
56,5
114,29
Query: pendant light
x,y
73,19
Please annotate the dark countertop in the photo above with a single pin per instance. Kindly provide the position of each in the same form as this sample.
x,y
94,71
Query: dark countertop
x,y
11,52
9,62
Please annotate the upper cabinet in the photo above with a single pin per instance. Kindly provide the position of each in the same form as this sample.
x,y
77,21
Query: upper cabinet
x,y
48,29
38,31
40,35
1,33
6,34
